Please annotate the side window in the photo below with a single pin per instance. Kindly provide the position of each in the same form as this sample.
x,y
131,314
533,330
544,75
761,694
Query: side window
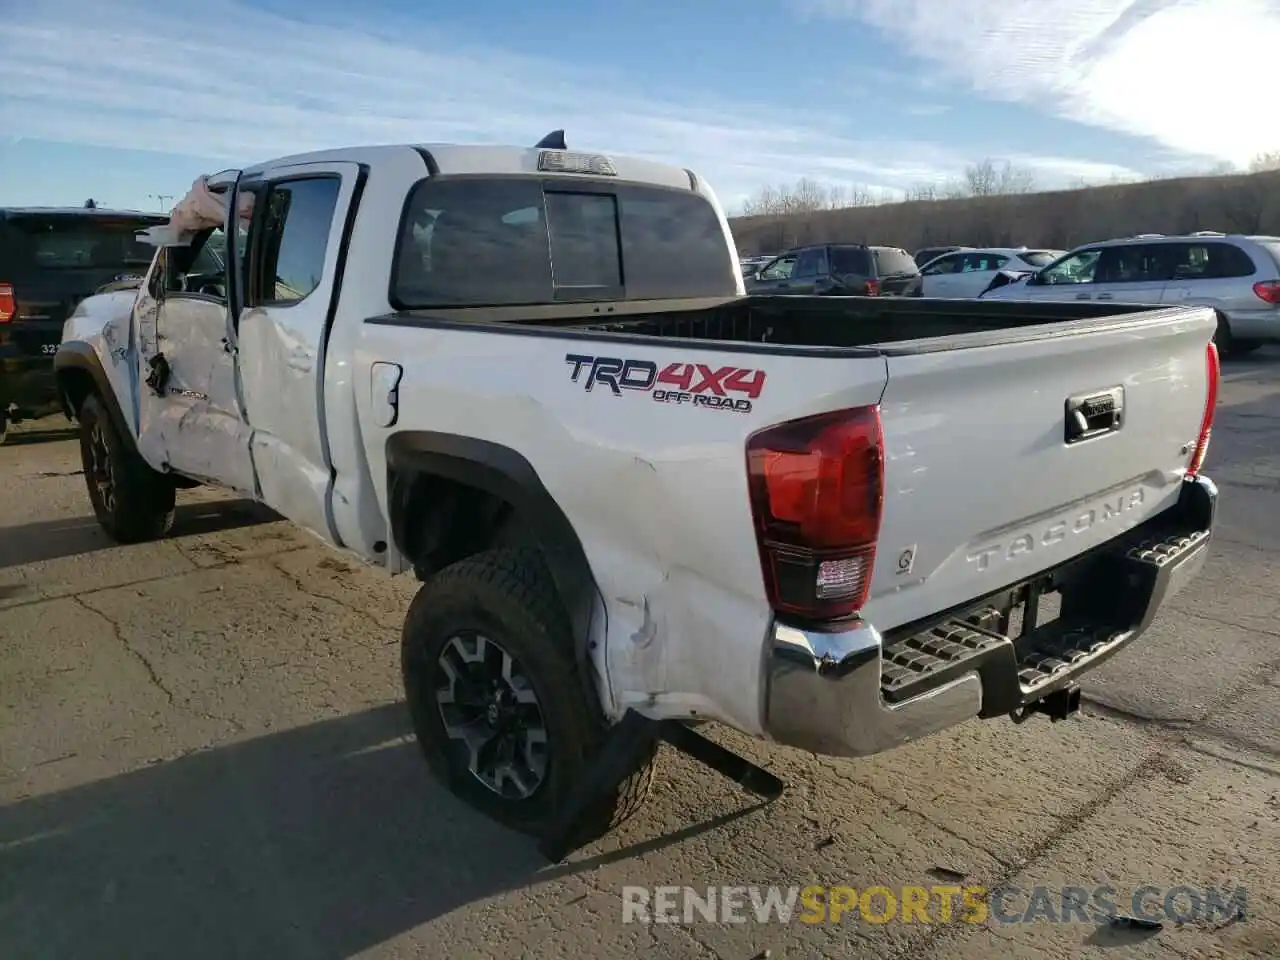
x,y
198,269
810,263
1210,261
943,265
1074,268
851,262
893,262
1136,263
982,262
292,241
780,269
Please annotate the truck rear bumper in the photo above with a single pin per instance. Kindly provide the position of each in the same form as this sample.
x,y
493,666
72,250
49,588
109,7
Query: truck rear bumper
x,y
853,692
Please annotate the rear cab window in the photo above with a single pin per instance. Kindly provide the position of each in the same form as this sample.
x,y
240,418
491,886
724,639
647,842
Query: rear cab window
x,y
891,262
512,241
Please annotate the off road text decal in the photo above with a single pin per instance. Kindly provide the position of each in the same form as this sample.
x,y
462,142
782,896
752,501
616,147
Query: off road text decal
x,y
695,384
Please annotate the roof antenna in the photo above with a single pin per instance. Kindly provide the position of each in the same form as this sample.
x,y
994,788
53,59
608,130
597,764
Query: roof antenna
x,y
552,141
91,204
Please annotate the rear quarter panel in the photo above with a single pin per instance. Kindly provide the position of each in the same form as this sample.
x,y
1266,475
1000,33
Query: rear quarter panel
x,y
657,492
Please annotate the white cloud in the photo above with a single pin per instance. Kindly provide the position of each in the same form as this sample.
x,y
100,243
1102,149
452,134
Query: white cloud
x,y
1187,73
223,81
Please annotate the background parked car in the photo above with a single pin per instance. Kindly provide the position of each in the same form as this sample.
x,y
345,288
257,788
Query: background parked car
x,y
1237,275
750,265
50,259
968,273
840,269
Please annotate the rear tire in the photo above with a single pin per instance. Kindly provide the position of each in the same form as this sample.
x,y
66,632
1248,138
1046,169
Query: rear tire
x,y
496,695
4,426
132,502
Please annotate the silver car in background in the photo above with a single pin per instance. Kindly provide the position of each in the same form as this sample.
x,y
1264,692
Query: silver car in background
x,y
1237,275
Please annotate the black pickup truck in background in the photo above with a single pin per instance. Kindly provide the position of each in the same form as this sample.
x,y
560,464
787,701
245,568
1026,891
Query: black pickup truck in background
x,y
51,258
839,269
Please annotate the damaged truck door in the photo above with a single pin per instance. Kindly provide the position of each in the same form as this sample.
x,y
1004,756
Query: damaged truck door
x,y
295,254
189,414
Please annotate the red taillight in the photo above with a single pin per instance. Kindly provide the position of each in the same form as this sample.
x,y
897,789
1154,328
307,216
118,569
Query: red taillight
x,y
873,288
817,489
1268,290
8,306
1213,373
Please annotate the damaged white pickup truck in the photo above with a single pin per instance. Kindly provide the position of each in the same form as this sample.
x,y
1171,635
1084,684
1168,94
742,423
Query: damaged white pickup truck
x,y
636,497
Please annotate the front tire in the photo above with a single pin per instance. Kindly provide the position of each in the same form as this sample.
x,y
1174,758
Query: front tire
x,y
1229,348
132,502
496,694
4,426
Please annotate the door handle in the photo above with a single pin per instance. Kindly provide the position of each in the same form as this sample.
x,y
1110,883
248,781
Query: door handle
x,y
1082,296
1105,296
1092,415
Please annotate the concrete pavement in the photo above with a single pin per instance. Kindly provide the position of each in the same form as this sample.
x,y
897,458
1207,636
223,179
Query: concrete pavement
x,y
203,754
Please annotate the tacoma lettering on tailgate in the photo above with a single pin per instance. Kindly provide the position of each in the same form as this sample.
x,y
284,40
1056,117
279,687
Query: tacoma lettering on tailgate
x,y
1056,532
695,384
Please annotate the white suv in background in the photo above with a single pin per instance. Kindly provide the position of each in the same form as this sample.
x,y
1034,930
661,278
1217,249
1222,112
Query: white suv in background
x,y
966,273
1239,276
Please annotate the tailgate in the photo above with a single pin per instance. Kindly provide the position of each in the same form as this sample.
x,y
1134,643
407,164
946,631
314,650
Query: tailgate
x,y
985,483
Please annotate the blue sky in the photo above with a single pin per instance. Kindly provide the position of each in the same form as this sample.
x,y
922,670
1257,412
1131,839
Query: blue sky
x,y
131,101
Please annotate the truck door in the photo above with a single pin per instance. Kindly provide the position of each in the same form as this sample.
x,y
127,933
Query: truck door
x,y
189,415
293,261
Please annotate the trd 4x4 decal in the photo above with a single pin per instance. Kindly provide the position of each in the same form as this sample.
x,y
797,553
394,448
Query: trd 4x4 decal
x,y
695,384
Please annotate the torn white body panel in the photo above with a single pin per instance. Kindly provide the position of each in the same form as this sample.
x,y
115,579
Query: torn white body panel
x,y
193,426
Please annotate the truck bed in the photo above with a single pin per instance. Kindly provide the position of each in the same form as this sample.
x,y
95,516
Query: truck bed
x,y
849,326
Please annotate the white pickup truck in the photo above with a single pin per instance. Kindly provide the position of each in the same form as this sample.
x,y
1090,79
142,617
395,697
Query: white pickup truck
x,y
630,491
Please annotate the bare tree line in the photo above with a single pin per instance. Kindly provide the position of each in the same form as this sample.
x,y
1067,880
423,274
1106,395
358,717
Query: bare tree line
x,y
997,203
987,178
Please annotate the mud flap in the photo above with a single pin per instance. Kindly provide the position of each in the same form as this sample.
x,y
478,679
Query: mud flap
x,y
627,743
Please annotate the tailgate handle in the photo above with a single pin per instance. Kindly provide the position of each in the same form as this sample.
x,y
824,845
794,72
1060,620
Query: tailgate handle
x,y
1091,415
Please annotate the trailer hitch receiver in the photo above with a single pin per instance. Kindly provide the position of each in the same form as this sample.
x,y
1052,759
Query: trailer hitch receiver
x,y
1058,705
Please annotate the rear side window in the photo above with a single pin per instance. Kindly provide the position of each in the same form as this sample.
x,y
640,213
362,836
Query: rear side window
x,y
1272,247
507,242
892,262
40,242
294,240
1210,261
852,261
